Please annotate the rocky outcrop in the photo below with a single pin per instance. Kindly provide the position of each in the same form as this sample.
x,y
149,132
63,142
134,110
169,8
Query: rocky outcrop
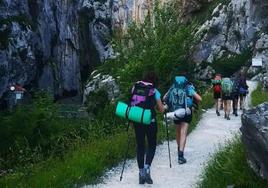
x,y
233,28
53,44
261,52
255,138
99,91
99,83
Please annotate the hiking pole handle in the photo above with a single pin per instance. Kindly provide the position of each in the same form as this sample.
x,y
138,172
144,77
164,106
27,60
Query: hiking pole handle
x,y
128,143
168,140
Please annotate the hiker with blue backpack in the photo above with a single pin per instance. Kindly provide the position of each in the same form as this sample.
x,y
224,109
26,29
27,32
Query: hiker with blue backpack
x,y
227,87
235,94
179,100
145,95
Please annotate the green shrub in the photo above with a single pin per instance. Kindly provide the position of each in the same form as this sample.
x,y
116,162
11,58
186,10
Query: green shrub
x,y
228,66
35,132
162,47
229,167
259,96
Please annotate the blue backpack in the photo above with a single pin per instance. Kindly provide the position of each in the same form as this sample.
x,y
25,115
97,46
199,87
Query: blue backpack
x,y
178,94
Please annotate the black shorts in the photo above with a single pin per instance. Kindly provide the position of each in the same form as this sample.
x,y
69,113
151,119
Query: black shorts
x,y
217,95
225,97
235,96
243,95
186,119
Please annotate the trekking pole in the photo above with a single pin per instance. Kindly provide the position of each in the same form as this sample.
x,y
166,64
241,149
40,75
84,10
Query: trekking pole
x,y
168,139
125,159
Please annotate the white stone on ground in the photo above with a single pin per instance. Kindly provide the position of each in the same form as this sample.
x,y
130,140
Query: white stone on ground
x,y
203,142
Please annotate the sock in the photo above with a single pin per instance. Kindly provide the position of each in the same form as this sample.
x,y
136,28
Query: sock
x,y
142,172
147,168
180,153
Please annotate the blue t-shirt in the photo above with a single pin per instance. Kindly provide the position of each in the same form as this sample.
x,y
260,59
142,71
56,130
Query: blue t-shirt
x,y
157,95
190,90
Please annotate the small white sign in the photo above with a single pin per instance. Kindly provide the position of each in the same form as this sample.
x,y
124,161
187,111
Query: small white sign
x,y
257,62
19,95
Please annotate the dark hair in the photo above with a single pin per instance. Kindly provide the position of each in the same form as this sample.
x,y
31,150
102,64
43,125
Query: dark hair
x,y
151,77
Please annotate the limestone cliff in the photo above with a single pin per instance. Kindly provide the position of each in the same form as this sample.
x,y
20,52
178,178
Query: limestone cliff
x,y
233,28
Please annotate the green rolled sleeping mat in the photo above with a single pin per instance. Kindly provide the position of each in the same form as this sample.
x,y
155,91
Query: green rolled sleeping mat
x,y
134,113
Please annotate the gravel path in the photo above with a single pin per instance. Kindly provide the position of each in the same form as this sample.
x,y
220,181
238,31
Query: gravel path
x,y
201,144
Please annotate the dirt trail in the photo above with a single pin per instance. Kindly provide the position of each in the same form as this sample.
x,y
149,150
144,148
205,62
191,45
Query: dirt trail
x,y
201,143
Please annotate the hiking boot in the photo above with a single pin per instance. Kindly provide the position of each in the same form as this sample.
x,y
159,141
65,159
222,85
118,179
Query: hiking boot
x,y
227,117
235,112
218,113
142,179
181,159
148,178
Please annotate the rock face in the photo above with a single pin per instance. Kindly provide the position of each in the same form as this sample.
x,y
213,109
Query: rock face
x,y
261,51
233,28
255,138
55,44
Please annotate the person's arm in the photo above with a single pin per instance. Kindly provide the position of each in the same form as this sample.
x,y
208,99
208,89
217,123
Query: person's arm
x,y
197,97
160,106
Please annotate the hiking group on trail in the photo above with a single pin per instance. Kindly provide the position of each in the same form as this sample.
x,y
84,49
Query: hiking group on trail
x,y
178,105
227,93
179,101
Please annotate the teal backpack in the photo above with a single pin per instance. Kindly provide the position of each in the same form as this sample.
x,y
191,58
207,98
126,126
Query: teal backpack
x,y
227,86
178,94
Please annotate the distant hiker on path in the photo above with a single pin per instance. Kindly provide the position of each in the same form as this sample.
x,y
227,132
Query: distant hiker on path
x,y
145,95
180,98
217,92
235,94
243,90
227,86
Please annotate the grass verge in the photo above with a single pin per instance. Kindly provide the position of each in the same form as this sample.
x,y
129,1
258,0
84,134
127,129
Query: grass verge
x,y
229,167
87,161
259,96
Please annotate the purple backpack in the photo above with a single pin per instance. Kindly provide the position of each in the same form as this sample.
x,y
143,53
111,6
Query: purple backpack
x,y
143,95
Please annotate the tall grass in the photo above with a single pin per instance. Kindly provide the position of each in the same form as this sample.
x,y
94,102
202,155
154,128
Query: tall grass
x,y
35,132
229,167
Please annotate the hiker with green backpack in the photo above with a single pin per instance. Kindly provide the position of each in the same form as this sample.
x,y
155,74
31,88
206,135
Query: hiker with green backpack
x,y
227,88
179,99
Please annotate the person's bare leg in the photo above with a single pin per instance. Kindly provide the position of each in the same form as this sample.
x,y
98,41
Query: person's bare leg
x,y
217,106
178,135
228,108
242,100
183,135
184,129
224,108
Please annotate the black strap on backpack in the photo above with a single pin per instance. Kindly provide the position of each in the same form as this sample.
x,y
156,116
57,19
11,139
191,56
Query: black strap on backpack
x,y
142,115
144,90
